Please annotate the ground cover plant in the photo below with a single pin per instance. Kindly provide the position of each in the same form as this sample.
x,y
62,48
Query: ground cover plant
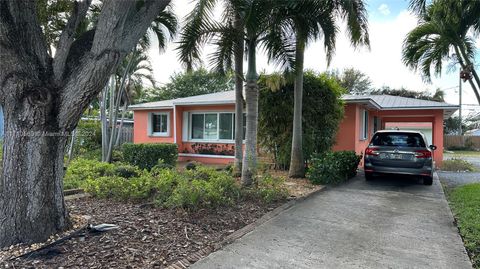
x,y
168,187
465,204
456,164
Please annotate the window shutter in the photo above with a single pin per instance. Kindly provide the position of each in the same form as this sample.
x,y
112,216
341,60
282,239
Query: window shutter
x,y
185,126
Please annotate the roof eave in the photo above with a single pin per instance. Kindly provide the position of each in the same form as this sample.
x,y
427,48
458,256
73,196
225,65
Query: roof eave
x,y
229,102
149,107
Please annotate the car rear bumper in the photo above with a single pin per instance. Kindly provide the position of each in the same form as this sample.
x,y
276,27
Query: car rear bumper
x,y
424,171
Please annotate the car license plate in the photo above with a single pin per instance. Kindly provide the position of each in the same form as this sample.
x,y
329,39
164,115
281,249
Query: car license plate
x,y
396,156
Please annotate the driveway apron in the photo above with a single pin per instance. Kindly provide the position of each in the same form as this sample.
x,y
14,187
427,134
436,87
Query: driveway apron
x,y
386,223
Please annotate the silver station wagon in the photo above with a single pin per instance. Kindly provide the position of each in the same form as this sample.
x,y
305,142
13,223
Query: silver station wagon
x,y
399,152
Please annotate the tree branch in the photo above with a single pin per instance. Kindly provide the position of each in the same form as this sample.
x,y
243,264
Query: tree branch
x,y
23,49
120,25
67,37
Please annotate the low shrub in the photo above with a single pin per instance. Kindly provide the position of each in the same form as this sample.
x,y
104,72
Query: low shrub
x,y
146,156
191,189
79,170
126,170
203,186
270,188
457,165
333,167
108,187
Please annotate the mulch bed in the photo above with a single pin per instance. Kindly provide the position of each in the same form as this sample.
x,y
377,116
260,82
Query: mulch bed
x,y
148,237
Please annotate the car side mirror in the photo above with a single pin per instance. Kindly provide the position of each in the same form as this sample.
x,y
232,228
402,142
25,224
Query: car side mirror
x,y
433,147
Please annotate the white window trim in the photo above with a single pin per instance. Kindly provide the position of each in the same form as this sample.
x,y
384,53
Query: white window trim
x,y
363,120
150,127
218,140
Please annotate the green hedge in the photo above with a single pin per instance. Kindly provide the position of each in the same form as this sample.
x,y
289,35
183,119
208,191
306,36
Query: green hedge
x,y
146,156
333,167
80,170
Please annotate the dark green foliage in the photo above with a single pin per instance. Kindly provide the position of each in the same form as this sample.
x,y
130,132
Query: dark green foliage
x,y
191,166
125,170
191,189
438,96
79,170
202,187
146,156
333,167
322,113
88,137
187,84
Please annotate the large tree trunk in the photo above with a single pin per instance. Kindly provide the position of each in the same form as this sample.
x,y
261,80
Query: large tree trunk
x,y
31,187
43,98
239,48
249,164
297,163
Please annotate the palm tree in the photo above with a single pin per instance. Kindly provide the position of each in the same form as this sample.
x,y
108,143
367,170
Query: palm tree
x,y
200,29
243,21
132,71
444,26
304,21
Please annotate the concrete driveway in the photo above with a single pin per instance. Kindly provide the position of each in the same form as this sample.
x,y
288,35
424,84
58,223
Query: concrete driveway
x,y
387,223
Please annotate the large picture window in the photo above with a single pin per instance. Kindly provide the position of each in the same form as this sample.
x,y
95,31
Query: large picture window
x,y
159,124
213,126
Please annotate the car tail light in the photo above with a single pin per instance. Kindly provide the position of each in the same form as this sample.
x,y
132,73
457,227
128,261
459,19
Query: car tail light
x,y
423,154
372,151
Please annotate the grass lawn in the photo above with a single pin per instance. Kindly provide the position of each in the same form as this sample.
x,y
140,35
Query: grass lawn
x,y
465,204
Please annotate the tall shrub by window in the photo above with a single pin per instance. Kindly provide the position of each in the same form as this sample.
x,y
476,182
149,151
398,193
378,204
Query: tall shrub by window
x,y
322,113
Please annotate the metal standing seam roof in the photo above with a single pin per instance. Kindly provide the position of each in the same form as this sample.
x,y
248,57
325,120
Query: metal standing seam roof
x,y
380,102
226,97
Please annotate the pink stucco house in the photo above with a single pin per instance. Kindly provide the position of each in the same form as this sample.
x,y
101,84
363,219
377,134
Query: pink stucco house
x,y
203,126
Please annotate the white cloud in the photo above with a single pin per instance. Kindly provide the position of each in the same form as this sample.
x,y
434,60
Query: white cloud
x,y
382,63
383,8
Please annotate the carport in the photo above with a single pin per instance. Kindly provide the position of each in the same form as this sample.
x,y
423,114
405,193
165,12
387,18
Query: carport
x,y
364,115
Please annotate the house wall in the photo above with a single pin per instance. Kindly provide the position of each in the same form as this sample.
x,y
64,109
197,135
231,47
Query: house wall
x,y
176,123
345,140
140,132
348,136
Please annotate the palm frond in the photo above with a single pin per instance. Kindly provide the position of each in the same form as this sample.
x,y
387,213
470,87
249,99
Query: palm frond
x,y
198,30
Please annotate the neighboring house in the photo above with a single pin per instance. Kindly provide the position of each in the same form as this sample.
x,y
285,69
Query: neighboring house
x,y
1,123
203,126
474,132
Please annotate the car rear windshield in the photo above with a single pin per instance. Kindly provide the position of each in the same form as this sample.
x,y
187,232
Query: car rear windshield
x,y
398,140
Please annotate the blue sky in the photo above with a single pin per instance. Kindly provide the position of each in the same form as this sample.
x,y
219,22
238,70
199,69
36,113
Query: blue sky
x,y
380,10
389,22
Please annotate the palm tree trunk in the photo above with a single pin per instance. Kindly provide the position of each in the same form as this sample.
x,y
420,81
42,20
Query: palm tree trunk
x,y
103,120
239,47
249,164
70,147
460,51
114,110
297,163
